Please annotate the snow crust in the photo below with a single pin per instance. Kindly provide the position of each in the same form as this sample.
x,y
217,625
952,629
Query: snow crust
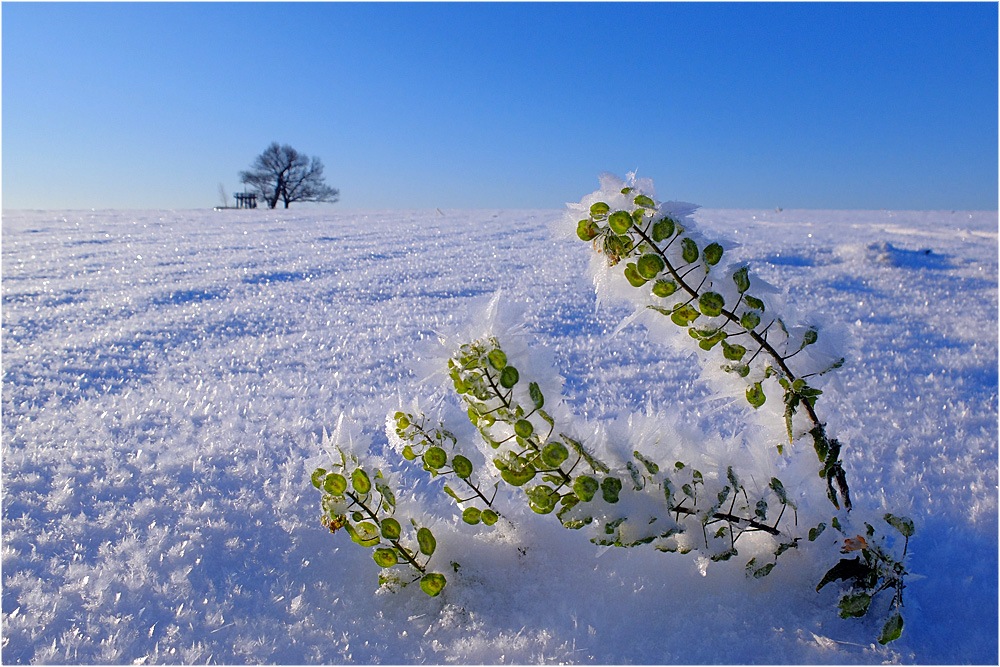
x,y
170,377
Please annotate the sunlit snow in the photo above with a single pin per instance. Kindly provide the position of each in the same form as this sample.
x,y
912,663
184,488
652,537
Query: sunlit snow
x,y
168,377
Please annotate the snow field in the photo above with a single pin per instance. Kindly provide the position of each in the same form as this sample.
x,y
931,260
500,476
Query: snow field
x,y
167,377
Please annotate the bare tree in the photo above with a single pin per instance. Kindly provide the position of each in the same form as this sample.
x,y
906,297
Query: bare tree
x,y
280,173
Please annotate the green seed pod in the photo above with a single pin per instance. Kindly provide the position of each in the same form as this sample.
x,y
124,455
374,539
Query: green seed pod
x,y
689,250
585,230
620,222
610,488
319,474
391,530
518,477
435,458
335,483
402,421
426,541
755,395
663,229
644,201
432,583
554,454
633,277
585,488
599,210
509,377
733,352
471,516
489,517
750,320
711,304
542,499
385,557
712,254
650,265
742,279
462,466
523,428
497,359
366,534
683,315
664,288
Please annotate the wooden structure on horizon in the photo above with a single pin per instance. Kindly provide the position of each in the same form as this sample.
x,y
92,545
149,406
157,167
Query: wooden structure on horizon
x,y
246,200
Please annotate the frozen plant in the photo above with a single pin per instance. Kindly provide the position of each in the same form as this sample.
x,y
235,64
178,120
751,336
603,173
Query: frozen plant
x,y
650,254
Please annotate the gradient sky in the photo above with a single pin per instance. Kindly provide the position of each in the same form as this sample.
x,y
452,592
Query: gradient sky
x,y
509,105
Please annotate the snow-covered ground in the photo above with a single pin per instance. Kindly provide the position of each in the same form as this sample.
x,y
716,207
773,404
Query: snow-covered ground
x,y
168,375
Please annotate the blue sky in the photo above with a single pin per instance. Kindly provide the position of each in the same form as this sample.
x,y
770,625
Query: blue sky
x,y
509,105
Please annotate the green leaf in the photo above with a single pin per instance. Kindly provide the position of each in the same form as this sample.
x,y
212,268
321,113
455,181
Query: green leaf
x,y
426,541
610,488
489,517
497,359
712,254
892,630
391,530
633,277
542,499
462,466
663,229
644,201
854,605
554,454
689,250
471,516
750,320
523,428
711,304
650,265
317,477
585,230
509,377
683,315
585,487
650,466
664,288
761,510
365,533
754,302
901,523
779,490
536,395
599,210
620,222
810,337
360,481
755,395
408,453
385,557
845,569
742,279
733,352
758,572
816,532
517,477
433,583
435,458
335,483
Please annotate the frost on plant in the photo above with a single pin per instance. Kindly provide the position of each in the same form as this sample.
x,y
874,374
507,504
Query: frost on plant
x,y
516,434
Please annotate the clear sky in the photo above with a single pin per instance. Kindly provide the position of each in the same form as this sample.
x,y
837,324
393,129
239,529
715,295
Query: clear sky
x,y
509,105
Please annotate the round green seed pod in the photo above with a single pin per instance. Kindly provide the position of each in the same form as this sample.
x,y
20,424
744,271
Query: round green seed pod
x,y
360,481
599,210
650,265
471,516
664,288
462,466
523,428
432,583
385,557
620,222
335,483
554,454
509,377
391,530
319,474
489,517
435,458
610,488
585,488
426,541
